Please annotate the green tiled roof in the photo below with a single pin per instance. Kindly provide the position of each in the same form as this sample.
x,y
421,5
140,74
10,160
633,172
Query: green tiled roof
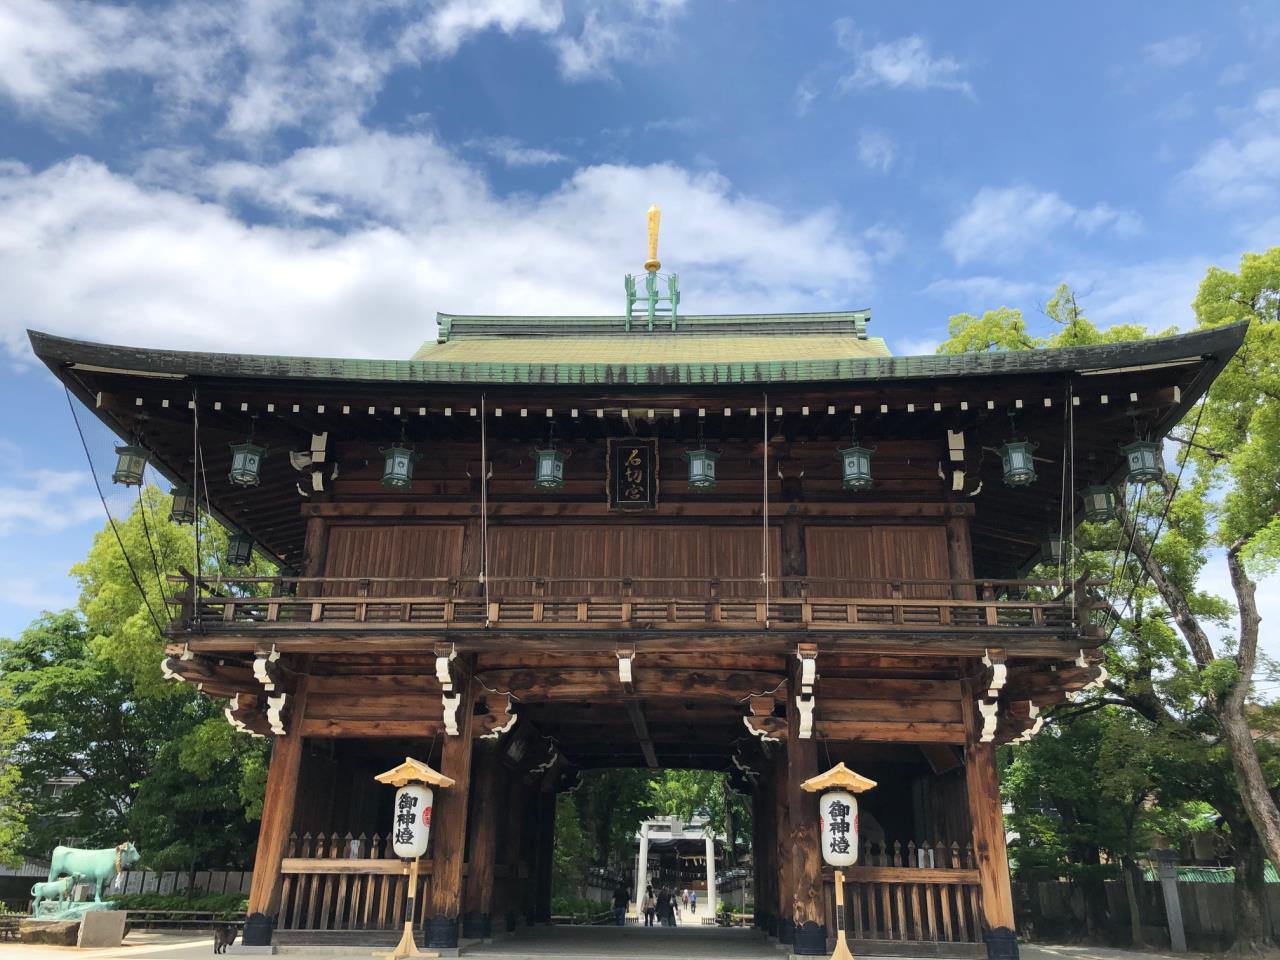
x,y
850,323
1213,874
1220,342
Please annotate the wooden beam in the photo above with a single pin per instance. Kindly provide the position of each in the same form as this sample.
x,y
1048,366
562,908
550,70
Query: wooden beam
x,y
278,810
806,892
990,855
486,812
579,683
449,831
636,713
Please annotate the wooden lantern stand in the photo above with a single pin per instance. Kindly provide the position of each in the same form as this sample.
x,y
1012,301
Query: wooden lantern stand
x,y
839,777
411,771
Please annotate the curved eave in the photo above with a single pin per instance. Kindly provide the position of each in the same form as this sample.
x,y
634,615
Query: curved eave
x,y
1216,346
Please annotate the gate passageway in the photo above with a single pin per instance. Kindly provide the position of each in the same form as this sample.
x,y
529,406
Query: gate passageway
x,y
625,943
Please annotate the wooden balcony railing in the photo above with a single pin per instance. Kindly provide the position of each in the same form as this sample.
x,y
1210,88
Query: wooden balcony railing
x,y
724,604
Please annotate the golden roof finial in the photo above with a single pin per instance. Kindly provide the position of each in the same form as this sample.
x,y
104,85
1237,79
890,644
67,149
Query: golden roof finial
x,y
653,265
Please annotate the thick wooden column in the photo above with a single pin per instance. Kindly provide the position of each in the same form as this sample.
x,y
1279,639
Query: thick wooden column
x,y
546,843
758,847
508,907
805,893
982,784
486,808
960,556
449,829
781,901
277,819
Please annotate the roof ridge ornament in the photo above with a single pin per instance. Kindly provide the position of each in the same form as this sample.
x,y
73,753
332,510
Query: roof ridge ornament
x,y
651,296
653,264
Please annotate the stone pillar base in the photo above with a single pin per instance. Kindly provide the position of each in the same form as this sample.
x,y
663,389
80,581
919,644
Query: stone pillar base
x,y
809,939
442,932
1002,944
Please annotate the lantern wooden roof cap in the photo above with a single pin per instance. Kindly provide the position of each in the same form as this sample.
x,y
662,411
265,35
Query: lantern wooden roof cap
x,y
837,778
414,771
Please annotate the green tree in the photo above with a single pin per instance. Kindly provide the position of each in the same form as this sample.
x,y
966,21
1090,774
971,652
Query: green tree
x,y
1163,665
13,821
157,759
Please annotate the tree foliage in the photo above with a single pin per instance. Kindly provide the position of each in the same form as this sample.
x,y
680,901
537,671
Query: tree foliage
x,y
156,761
1167,739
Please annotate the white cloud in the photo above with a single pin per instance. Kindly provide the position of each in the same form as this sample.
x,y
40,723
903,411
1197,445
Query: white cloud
x,y
513,153
982,292
876,149
1001,223
46,500
1173,52
915,346
1243,169
257,66
369,238
903,64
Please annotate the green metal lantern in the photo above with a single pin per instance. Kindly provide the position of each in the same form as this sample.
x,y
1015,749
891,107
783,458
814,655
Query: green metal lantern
x,y
1099,503
1051,550
855,467
183,507
246,463
549,474
397,467
1016,457
702,468
1144,461
131,461
239,549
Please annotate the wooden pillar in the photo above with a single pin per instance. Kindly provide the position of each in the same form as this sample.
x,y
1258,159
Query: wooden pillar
x,y
793,562
781,901
449,829
315,547
507,905
277,820
757,854
982,784
805,894
546,843
960,555
486,809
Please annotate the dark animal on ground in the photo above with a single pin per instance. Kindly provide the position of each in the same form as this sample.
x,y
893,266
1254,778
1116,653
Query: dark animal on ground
x,y
224,935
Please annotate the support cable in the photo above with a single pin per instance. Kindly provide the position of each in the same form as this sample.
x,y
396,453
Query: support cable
x,y
195,498
133,573
484,506
764,540
146,529
1168,503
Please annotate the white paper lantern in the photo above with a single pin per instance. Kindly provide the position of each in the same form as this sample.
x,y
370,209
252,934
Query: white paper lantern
x,y
838,814
411,821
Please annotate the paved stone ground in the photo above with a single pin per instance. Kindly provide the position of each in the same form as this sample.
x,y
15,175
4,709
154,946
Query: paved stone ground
x,y
641,943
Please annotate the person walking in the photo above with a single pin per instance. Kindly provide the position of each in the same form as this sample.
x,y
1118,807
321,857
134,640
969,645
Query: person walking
x,y
684,897
620,901
693,901
663,906
648,906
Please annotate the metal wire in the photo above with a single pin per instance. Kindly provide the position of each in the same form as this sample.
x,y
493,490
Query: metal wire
x,y
137,582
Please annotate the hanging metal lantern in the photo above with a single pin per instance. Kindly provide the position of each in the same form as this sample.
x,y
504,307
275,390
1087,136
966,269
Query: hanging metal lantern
x,y
397,468
239,549
702,468
131,461
1016,457
183,507
1051,550
1099,503
550,468
855,467
246,462
1144,461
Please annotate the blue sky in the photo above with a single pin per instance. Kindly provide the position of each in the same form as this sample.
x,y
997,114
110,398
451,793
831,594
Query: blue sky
x,y
322,177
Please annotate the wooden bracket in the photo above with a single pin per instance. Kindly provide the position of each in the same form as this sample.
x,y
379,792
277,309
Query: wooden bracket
x,y
987,718
762,723
493,724
807,654
1021,721
446,653
450,702
266,668
245,714
278,711
626,654
994,674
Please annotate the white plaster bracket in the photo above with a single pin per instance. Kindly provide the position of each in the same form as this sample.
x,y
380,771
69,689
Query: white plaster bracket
x,y
987,710
443,674
999,673
275,713
262,668
450,703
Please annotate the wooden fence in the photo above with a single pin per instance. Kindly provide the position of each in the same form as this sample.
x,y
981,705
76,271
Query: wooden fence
x,y
347,883
1054,909
905,893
